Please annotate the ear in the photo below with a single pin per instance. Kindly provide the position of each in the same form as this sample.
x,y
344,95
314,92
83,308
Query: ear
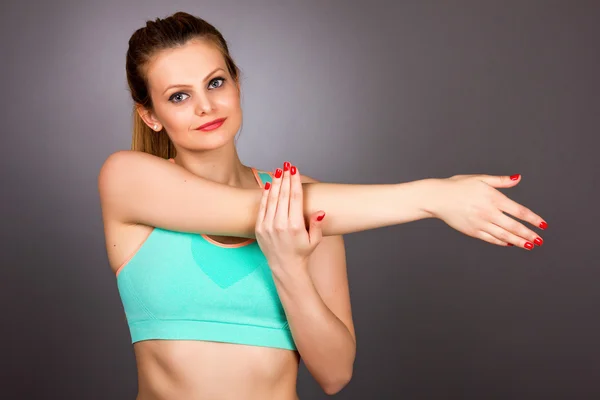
x,y
149,118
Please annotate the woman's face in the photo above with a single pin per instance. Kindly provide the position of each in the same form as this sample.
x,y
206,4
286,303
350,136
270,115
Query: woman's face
x,y
190,86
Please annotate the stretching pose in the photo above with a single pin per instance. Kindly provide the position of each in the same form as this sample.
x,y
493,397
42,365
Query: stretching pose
x,y
229,274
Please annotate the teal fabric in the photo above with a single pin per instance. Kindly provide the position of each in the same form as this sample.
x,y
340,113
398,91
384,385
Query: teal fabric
x,y
180,286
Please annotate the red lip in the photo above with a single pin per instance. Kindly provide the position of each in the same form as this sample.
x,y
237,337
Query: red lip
x,y
216,121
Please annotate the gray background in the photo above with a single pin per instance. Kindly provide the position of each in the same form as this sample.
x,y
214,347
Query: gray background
x,y
356,92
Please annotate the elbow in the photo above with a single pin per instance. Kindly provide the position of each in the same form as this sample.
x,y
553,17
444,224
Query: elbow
x,y
336,385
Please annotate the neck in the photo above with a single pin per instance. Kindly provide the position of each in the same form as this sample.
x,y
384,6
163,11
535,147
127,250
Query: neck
x,y
220,165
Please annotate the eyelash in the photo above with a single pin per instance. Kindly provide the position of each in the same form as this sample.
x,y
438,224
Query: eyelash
x,y
214,79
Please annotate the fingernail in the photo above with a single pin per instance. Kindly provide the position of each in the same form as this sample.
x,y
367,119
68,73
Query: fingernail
x,y
538,241
515,177
278,173
509,244
543,225
320,217
286,166
528,245
293,170
267,185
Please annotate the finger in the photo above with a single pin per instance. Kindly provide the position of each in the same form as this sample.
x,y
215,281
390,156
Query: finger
x,y
315,232
517,228
273,197
506,236
296,200
491,239
523,213
262,207
283,203
501,181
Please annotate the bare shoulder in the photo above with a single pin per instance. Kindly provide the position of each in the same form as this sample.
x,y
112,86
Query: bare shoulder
x,y
121,164
118,158
128,176
118,171
113,167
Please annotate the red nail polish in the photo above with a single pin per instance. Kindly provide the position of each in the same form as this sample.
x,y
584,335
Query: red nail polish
x,y
320,217
293,170
543,225
538,241
278,173
515,177
267,185
286,166
509,244
528,245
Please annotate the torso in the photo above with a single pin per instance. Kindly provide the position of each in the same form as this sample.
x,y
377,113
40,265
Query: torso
x,y
202,370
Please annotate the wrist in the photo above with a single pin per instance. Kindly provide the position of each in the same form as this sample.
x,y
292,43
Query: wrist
x,y
296,272
430,196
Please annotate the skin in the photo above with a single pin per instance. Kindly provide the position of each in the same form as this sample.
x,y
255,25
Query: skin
x,y
314,278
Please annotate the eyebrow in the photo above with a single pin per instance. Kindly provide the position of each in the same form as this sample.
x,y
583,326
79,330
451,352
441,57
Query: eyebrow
x,y
184,85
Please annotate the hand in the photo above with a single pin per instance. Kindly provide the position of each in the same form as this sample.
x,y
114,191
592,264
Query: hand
x,y
472,205
280,229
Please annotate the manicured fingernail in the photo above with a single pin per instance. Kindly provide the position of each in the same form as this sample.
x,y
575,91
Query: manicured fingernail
x,y
538,241
528,245
543,225
509,244
320,217
286,166
278,173
515,177
267,185
293,170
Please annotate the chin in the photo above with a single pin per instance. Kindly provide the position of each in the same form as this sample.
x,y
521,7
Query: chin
x,y
212,141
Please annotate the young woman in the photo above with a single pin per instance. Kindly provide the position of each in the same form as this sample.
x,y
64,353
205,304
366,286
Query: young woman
x,y
228,275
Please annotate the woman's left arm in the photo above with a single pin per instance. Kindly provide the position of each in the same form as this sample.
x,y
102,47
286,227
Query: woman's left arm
x,y
317,305
310,275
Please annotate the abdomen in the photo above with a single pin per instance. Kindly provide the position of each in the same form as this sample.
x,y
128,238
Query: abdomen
x,y
169,369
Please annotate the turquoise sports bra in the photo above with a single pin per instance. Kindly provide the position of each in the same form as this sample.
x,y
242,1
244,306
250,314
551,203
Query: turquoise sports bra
x,y
185,286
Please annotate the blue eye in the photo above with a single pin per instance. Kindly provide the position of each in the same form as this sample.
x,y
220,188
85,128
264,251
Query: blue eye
x,y
218,79
178,94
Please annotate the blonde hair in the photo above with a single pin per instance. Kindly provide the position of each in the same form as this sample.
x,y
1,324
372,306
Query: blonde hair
x,y
173,31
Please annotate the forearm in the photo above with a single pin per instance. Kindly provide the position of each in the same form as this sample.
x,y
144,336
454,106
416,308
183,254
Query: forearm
x,y
353,208
323,341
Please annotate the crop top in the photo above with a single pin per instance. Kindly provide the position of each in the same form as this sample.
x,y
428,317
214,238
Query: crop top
x,y
186,286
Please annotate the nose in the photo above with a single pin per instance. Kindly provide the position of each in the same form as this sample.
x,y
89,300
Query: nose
x,y
203,104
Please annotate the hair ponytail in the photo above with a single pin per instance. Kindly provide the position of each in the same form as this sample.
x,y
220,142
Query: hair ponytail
x,y
149,141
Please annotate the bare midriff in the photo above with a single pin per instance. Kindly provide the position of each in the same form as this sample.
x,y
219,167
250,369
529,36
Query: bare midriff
x,y
203,370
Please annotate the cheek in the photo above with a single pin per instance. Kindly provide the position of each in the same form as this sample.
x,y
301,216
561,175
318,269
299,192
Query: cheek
x,y
179,118
229,100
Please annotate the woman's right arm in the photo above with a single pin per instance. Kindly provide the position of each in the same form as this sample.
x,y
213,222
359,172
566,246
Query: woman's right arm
x,y
140,188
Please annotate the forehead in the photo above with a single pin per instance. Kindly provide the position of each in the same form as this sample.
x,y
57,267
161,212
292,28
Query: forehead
x,y
185,64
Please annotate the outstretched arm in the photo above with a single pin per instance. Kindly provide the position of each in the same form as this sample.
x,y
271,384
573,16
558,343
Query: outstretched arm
x,y
136,187
139,188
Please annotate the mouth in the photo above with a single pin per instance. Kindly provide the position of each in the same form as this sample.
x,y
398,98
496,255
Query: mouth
x,y
212,125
